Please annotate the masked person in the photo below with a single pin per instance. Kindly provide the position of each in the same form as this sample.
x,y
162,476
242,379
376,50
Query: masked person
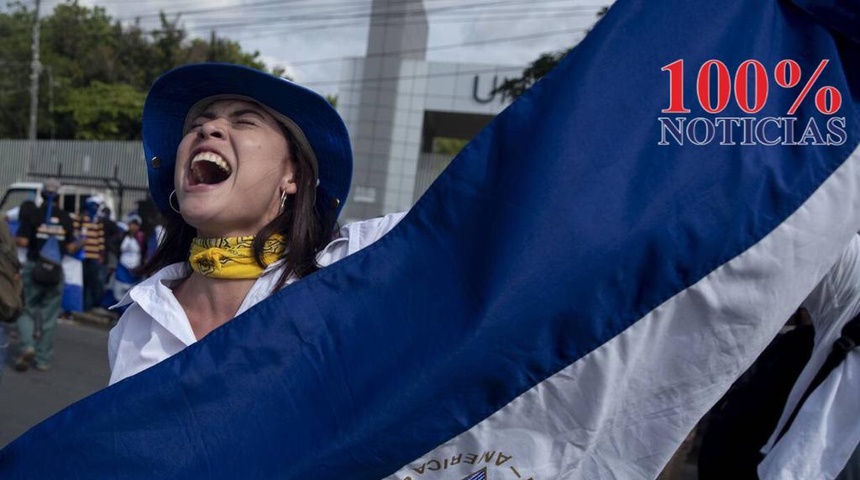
x,y
42,298
250,172
98,232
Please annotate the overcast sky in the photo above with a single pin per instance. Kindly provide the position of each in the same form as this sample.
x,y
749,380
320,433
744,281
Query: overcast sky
x,y
308,37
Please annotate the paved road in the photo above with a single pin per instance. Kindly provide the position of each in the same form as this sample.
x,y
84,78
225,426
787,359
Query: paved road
x,y
79,369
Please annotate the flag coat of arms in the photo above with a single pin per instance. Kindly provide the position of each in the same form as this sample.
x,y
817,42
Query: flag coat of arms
x,y
579,286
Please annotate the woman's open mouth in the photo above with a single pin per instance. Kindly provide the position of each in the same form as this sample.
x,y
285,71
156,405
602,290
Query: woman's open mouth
x,y
208,168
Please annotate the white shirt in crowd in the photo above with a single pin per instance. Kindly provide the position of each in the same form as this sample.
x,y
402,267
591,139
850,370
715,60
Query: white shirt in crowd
x,y
826,431
155,327
130,253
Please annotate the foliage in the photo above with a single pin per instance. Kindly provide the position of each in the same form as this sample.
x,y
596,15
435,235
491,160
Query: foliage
x,y
96,71
103,111
514,87
15,57
448,145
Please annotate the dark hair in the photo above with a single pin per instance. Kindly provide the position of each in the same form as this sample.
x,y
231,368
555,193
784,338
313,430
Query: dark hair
x,y
305,230
149,215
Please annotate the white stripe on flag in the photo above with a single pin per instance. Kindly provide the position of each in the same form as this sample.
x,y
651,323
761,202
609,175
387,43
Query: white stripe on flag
x,y
622,410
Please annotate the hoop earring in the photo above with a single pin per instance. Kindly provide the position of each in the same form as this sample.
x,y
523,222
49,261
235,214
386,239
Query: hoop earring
x,y
170,202
283,201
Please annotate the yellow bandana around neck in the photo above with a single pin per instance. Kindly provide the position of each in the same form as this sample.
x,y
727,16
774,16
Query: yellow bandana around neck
x,y
232,257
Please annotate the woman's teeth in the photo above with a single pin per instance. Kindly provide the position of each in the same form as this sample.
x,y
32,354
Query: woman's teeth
x,y
209,168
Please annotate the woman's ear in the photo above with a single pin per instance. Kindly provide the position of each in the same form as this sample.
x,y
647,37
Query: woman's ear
x,y
288,184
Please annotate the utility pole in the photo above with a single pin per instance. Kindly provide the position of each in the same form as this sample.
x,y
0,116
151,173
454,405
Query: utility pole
x,y
36,69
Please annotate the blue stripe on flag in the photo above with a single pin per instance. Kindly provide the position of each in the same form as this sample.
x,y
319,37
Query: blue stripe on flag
x,y
123,274
557,228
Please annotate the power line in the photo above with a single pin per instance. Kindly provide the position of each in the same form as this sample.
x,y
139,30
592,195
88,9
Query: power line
x,y
454,17
325,15
294,31
504,10
177,6
325,11
396,78
328,11
448,46
282,31
442,47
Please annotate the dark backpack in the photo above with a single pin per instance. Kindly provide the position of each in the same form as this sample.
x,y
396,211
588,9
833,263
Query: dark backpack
x,y
48,269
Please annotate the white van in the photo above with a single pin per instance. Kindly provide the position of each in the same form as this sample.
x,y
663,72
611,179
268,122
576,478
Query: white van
x,y
72,198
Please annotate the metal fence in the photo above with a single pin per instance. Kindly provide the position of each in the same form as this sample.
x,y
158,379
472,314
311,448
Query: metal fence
x,y
118,165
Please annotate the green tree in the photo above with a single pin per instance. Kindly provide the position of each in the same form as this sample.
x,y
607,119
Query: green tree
x,y
448,146
514,87
222,50
15,57
103,111
96,70
79,44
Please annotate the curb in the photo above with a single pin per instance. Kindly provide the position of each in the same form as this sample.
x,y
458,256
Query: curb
x,y
105,322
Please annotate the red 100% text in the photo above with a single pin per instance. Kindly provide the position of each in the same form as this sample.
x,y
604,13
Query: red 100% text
x,y
751,87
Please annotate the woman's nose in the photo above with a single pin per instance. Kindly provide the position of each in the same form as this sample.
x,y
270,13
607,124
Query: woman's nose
x,y
212,128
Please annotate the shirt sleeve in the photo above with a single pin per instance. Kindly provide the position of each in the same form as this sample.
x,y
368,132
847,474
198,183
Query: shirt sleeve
x,y
824,422
836,299
69,227
357,235
361,234
25,226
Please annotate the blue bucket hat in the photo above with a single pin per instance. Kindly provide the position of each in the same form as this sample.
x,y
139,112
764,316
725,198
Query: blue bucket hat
x,y
174,94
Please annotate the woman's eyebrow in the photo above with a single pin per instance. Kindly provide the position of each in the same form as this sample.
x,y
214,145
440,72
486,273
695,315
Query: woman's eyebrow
x,y
247,111
208,115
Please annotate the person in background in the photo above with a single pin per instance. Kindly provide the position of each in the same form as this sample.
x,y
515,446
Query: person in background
x,y
132,251
818,429
113,238
42,301
11,300
97,234
152,225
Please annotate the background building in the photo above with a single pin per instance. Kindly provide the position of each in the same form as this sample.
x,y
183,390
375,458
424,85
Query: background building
x,y
400,109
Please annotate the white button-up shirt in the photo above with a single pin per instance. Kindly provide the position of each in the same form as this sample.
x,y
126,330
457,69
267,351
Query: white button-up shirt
x,y
155,327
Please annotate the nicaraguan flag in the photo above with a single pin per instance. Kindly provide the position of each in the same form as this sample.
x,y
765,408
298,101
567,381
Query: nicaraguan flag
x,y
566,301
73,288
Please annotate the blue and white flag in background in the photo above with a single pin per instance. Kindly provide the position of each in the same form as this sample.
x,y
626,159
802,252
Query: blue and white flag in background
x,y
73,286
581,284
